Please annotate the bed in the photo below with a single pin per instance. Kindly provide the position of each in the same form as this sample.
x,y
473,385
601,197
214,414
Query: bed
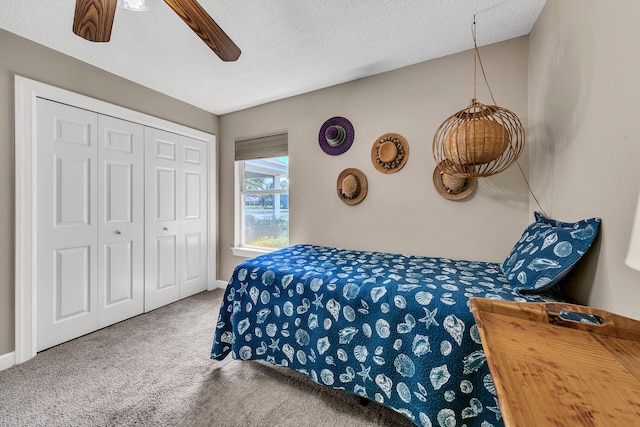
x,y
396,329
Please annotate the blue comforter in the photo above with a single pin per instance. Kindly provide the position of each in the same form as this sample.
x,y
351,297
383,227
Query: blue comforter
x,y
393,328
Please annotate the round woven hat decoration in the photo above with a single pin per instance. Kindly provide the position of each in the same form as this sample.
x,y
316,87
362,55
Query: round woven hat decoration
x,y
351,186
390,153
452,187
336,135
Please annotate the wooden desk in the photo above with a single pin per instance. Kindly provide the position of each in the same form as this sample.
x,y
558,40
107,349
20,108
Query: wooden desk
x,y
552,372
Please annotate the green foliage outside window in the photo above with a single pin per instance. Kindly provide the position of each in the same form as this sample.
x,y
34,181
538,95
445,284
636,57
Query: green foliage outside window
x,y
266,232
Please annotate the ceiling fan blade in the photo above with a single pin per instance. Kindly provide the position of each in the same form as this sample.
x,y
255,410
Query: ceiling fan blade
x,y
93,19
206,28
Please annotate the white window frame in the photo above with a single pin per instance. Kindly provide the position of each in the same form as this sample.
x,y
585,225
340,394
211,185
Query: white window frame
x,y
239,249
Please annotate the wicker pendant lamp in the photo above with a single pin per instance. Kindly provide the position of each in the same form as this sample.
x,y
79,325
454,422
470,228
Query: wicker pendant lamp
x,y
481,140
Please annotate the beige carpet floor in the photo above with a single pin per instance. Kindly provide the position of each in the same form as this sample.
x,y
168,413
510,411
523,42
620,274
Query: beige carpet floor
x,y
154,370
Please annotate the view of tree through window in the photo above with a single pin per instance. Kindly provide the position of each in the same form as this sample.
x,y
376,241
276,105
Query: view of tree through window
x,y
265,202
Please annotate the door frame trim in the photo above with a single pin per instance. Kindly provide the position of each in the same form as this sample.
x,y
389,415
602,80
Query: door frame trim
x,y
26,93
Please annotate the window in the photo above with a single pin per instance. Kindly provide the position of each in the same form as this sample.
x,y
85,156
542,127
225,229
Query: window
x,y
262,195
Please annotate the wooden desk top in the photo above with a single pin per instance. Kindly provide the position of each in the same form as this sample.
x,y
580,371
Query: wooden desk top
x,y
549,371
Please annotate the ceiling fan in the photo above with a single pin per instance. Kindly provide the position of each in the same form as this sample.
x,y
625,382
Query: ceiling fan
x,y
94,18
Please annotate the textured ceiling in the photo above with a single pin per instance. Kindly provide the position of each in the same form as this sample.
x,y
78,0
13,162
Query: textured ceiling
x,y
288,46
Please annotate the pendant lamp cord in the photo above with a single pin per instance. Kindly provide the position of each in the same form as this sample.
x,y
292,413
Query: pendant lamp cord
x,y
478,60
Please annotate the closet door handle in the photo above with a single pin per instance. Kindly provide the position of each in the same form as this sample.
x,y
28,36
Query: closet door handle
x,y
117,232
165,228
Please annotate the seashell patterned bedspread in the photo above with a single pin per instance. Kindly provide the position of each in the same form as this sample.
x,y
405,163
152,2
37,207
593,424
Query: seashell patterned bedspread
x,y
396,329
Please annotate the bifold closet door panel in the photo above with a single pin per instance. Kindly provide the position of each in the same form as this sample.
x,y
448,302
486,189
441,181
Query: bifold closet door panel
x,y
176,232
66,223
162,231
193,216
120,220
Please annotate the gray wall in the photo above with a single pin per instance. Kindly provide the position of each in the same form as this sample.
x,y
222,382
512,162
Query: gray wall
x,y
584,137
25,58
402,212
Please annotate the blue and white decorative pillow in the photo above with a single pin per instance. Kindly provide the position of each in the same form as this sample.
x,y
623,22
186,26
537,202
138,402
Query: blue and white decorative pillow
x,y
547,251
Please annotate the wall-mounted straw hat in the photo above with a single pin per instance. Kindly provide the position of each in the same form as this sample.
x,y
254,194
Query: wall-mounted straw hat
x,y
336,135
452,187
351,186
389,153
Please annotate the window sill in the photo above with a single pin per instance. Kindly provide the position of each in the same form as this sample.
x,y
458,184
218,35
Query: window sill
x,y
249,252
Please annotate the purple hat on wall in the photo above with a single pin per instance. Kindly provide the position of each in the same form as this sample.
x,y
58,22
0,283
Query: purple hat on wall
x,y
336,136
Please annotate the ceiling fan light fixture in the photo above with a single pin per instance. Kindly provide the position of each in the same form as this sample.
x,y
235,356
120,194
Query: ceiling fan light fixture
x,y
137,5
93,21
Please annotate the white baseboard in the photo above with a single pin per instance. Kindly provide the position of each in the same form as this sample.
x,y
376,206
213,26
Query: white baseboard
x,y
216,284
7,360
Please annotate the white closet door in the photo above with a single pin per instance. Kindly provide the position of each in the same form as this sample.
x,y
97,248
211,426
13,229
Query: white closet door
x,y
66,254
193,216
120,220
162,183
